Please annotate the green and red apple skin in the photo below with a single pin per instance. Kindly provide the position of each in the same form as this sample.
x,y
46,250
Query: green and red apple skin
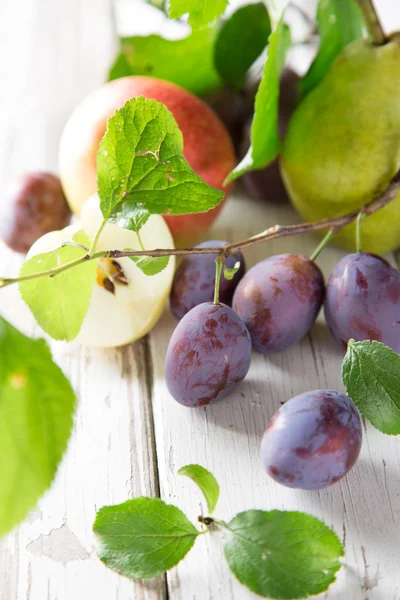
x,y
207,145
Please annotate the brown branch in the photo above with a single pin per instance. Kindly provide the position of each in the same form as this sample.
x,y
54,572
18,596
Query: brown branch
x,y
334,224
277,231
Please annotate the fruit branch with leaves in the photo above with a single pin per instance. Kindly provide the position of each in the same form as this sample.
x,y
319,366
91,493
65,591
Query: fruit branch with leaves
x,y
148,192
334,224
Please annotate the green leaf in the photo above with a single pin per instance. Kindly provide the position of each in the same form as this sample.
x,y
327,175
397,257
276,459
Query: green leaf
x,y
60,303
340,22
371,375
188,62
240,41
140,160
160,4
276,9
229,273
144,537
282,554
150,265
265,141
206,482
201,12
36,417
130,216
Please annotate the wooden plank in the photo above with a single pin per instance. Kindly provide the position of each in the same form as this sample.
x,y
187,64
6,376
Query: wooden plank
x,y
52,55
225,438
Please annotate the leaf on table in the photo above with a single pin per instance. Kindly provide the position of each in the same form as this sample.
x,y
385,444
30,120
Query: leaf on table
x,y
140,161
201,12
265,141
340,22
143,537
371,375
281,554
188,62
150,265
240,41
59,303
206,482
37,405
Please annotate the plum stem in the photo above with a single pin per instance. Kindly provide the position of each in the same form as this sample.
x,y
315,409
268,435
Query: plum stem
x,y
277,231
218,271
359,220
372,22
323,243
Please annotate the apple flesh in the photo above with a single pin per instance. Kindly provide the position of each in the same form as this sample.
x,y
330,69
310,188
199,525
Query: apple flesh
x,y
207,145
125,304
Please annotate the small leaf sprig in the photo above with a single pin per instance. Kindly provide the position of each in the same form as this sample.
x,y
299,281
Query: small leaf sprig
x,y
276,554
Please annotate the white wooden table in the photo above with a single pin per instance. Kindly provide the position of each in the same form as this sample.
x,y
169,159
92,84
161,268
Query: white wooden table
x,y
130,436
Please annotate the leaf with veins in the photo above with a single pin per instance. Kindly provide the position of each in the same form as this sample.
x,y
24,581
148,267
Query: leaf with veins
x,y
140,162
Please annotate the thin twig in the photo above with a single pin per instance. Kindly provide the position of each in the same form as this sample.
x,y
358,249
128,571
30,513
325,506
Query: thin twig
x,y
222,252
277,231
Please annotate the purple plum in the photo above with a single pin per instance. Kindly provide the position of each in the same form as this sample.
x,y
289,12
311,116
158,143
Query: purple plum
x,y
32,205
279,299
313,440
195,279
363,300
208,355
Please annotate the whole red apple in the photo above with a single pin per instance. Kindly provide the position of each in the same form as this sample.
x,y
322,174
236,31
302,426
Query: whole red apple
x,y
207,145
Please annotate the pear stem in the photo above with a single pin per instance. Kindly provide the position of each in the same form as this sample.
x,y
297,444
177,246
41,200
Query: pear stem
x,y
272,233
372,21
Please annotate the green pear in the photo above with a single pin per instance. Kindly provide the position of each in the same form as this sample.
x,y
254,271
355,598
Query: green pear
x,y
342,146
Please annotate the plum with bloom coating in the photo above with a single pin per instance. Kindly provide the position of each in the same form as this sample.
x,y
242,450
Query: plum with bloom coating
x,y
313,440
363,300
32,205
279,299
208,355
194,280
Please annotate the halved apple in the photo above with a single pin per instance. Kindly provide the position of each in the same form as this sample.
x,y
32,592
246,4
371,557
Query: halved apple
x,y
126,303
